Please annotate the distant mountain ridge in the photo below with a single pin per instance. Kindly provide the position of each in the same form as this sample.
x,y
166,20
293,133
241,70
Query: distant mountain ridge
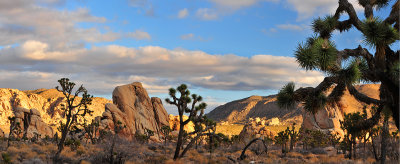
x,y
266,106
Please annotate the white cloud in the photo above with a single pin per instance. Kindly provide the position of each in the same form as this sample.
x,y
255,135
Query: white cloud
x,y
187,36
102,68
183,13
236,4
309,8
292,27
207,14
193,37
58,28
139,35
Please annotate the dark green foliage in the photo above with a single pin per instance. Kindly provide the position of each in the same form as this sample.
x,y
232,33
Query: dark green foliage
x,y
376,32
313,139
284,97
281,139
165,130
313,103
345,68
324,26
6,157
72,143
305,56
317,53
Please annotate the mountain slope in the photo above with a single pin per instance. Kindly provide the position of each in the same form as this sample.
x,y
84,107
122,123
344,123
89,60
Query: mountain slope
x,y
266,106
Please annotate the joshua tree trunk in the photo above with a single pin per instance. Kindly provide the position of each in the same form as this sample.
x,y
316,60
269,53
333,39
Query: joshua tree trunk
x,y
243,156
385,133
180,140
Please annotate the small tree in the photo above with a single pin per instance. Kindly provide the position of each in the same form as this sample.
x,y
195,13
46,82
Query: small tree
x,y
165,130
91,130
282,138
182,104
294,136
15,129
73,110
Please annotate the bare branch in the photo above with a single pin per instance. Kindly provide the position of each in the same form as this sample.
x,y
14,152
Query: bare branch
x,y
362,97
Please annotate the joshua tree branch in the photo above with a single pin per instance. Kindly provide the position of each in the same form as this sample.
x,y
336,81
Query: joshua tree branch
x,y
362,97
344,5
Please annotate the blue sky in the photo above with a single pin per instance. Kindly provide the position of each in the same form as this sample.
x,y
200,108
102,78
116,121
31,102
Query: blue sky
x,y
223,49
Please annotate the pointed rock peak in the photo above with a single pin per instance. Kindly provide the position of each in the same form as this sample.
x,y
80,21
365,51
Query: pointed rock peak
x,y
138,84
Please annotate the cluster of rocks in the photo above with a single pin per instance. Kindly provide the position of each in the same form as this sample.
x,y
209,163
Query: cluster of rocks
x,y
264,122
30,124
256,128
47,103
133,109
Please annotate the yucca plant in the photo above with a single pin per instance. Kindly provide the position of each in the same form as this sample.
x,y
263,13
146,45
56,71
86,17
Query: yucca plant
x,y
187,103
345,68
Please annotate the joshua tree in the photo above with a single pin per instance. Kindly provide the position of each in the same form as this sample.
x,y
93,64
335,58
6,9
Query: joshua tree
x,y
15,129
294,136
165,130
73,110
91,130
282,138
198,119
349,66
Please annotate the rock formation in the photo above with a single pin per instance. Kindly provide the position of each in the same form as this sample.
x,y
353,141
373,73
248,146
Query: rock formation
x,y
326,119
133,109
255,129
46,102
31,124
252,107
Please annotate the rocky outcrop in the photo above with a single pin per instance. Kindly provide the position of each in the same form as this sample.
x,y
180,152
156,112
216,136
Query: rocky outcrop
x,y
266,108
328,119
31,124
255,129
46,102
135,111
240,111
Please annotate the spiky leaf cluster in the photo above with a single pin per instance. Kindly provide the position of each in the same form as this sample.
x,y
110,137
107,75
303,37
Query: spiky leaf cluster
x,y
285,96
352,73
325,26
315,102
317,53
377,33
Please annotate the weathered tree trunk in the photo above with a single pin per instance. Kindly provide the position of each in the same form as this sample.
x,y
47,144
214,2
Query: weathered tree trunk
x,y
354,148
385,133
291,144
243,156
351,149
180,141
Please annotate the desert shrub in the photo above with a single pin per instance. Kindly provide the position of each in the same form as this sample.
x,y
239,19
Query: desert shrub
x,y
72,143
6,157
281,139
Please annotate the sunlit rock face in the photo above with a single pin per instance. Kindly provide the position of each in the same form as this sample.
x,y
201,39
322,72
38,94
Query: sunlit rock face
x,y
326,119
264,107
133,109
30,124
47,105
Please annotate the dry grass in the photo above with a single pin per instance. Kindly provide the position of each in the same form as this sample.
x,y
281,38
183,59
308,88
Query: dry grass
x,y
229,129
157,153
235,129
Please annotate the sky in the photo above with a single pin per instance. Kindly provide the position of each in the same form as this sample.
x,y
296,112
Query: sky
x,y
223,49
